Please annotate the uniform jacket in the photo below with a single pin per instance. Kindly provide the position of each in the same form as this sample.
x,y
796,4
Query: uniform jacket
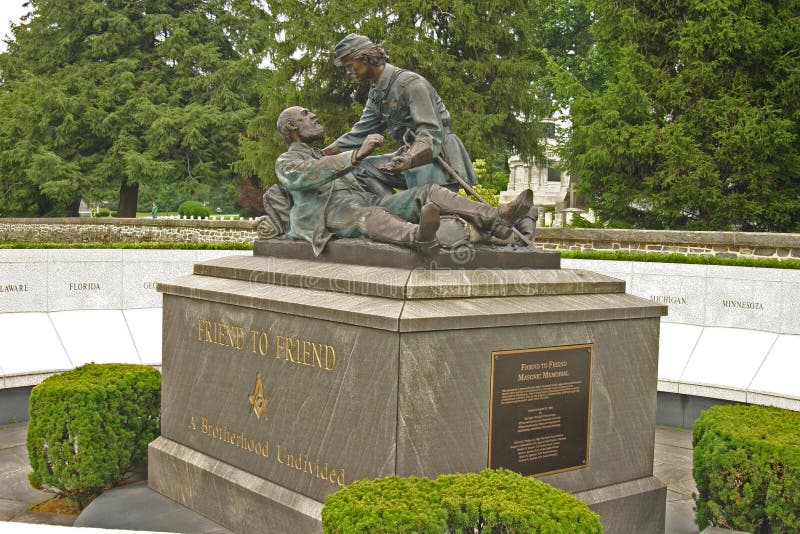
x,y
403,100
309,176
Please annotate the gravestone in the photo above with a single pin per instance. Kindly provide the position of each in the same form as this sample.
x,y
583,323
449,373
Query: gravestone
x,y
284,379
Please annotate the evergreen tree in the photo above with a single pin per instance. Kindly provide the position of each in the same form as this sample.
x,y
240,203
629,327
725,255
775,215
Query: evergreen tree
x,y
482,57
697,123
98,95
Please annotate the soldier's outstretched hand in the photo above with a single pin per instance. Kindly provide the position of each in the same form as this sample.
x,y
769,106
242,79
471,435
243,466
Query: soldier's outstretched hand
x,y
369,145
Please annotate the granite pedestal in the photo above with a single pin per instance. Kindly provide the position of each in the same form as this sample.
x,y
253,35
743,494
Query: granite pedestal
x,y
285,378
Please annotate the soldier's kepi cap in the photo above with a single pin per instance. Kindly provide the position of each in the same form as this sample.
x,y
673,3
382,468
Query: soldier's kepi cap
x,y
351,43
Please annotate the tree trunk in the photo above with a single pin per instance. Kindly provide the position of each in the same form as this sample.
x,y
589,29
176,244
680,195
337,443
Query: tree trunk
x,y
73,207
128,198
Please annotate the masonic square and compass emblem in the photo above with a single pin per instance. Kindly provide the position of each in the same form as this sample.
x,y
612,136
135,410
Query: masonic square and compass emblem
x,y
257,400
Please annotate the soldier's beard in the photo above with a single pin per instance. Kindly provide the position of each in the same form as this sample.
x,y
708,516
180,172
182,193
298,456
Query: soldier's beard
x,y
312,132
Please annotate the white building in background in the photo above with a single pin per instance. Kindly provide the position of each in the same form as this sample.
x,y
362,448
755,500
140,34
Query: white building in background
x,y
553,188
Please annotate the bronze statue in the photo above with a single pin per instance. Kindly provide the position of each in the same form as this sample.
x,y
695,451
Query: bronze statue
x,y
328,200
409,108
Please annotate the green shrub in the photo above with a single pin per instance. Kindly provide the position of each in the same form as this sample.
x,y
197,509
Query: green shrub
x,y
489,501
88,426
103,212
487,193
747,468
192,208
392,504
579,221
177,245
674,257
499,500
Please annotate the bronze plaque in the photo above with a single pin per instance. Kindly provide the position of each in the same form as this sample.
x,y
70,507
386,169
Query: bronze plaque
x,y
539,412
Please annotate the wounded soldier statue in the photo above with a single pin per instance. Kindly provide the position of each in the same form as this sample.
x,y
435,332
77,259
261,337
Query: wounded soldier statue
x,y
327,199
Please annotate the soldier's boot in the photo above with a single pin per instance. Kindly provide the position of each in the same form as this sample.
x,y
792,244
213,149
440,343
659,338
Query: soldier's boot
x,y
383,225
527,223
496,221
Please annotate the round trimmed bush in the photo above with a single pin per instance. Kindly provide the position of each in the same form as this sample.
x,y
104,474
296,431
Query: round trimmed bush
x,y
391,504
192,208
494,500
499,500
88,426
103,212
747,468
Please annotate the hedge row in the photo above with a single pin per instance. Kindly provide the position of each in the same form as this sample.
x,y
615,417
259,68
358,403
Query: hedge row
x,y
674,257
194,245
492,501
90,425
747,468
769,263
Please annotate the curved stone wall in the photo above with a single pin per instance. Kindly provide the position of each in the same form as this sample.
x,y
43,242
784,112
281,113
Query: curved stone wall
x,y
721,244
112,230
731,333
105,230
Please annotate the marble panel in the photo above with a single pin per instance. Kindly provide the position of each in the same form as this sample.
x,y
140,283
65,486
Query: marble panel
x,y
631,506
724,362
26,380
790,292
683,294
133,255
84,255
779,401
228,495
728,272
790,276
145,327
140,279
749,303
669,269
23,287
30,345
445,398
615,269
304,403
99,336
432,314
674,350
721,392
24,255
358,310
84,284
450,283
204,255
341,278
778,375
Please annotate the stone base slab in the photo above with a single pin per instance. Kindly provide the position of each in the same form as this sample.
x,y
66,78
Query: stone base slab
x,y
238,500
633,506
360,251
256,434
226,494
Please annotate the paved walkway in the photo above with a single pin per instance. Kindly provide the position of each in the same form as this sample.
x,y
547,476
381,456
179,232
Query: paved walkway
x,y
672,464
136,507
16,493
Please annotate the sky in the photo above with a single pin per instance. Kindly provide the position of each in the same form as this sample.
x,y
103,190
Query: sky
x,y
10,11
